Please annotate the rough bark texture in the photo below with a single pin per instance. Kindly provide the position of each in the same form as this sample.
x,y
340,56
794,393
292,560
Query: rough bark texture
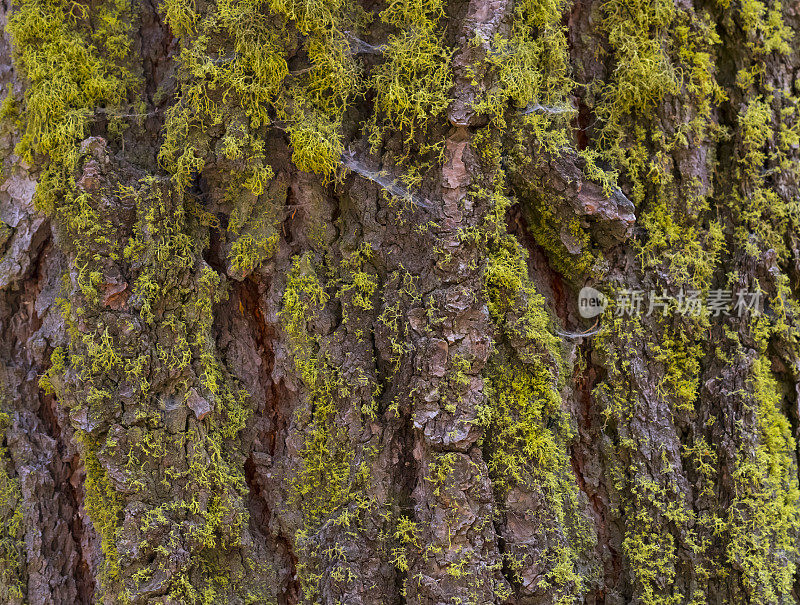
x,y
288,301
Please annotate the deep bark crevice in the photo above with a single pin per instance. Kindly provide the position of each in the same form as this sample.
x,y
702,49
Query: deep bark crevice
x,y
270,424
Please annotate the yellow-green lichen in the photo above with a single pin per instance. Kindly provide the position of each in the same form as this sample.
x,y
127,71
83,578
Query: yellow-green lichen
x,y
74,61
330,486
12,544
413,84
762,520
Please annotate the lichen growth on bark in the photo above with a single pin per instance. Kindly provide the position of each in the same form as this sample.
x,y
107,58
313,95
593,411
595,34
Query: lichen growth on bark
x,y
352,177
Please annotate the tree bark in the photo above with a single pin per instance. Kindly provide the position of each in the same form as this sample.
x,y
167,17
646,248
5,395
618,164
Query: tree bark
x,y
289,301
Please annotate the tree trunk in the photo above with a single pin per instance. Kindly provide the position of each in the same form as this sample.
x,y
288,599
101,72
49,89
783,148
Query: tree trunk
x,y
290,313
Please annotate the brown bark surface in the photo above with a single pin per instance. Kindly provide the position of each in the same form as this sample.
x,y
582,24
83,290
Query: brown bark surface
x,y
289,302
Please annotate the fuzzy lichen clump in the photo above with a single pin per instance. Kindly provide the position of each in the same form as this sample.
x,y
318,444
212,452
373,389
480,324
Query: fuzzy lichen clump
x,y
314,102
413,84
214,91
643,73
75,62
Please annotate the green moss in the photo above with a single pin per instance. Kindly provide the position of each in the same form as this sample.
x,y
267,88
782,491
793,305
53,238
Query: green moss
x,y
661,52
358,283
164,336
763,217
323,483
250,75
248,251
392,316
254,222
74,61
56,369
652,506
9,108
690,251
181,15
326,481
522,402
650,551
302,300
550,232
513,303
534,64
756,528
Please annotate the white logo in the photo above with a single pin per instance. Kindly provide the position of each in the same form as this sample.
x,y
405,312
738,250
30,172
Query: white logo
x,y
591,303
